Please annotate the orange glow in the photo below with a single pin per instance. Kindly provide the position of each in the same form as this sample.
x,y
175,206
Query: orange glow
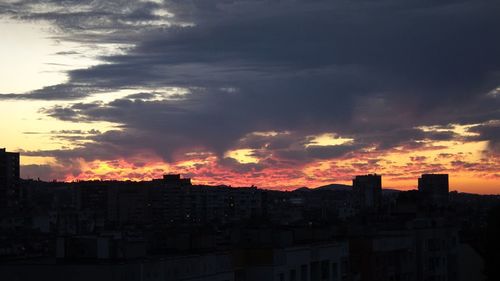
x,y
118,169
470,166
400,170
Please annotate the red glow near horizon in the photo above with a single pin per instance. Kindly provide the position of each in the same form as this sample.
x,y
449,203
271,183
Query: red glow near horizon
x,y
209,171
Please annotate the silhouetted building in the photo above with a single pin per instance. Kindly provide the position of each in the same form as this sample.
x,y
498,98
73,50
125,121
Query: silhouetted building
x,y
437,249
367,190
128,204
168,201
327,261
423,249
174,204
176,180
9,178
206,266
384,256
169,229
434,188
108,246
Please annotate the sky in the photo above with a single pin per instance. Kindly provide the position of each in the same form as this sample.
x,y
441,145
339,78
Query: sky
x,y
274,93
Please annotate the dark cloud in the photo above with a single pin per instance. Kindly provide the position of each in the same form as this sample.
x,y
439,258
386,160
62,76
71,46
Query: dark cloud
x,y
76,132
68,91
373,71
329,151
490,132
34,171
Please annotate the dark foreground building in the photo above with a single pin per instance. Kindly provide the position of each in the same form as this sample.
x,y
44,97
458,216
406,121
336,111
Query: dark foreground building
x,y
9,178
368,190
171,229
434,188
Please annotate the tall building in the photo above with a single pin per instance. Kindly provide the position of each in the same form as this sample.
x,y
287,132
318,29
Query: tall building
x,y
434,188
367,190
9,178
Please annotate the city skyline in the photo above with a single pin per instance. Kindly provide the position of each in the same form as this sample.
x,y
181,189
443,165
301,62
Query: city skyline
x,y
439,182
277,94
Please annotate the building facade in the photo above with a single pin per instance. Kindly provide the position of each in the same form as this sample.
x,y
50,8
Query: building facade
x,y
367,190
9,178
434,188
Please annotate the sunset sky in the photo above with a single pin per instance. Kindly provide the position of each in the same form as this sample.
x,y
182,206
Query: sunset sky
x,y
275,93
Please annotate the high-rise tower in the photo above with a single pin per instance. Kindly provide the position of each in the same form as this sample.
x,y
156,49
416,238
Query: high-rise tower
x,y
9,178
434,188
368,190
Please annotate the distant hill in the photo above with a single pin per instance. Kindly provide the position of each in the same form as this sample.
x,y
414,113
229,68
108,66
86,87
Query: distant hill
x,y
340,187
304,188
335,187
330,187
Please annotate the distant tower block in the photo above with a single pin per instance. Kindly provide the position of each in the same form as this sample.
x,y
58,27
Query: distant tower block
x,y
176,180
434,188
9,178
368,190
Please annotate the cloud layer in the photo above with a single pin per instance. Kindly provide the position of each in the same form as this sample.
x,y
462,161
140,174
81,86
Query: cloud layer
x,y
268,75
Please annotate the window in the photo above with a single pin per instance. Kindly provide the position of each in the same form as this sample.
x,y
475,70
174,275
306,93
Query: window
x,y
325,269
314,271
303,272
292,276
344,269
335,272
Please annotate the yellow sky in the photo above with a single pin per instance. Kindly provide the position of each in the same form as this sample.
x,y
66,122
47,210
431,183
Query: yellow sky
x,y
32,58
